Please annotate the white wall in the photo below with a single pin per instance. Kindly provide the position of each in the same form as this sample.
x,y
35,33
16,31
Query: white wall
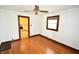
x,y
9,24
35,22
68,33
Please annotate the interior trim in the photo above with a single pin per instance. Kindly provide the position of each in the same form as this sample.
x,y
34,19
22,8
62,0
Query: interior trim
x,y
35,35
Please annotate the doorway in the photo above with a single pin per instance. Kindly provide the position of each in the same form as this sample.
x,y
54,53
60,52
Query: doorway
x,y
24,29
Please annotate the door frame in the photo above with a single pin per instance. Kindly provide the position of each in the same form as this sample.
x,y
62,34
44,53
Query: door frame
x,y
19,25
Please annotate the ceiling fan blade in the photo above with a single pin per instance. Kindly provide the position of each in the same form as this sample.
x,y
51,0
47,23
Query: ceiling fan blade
x,y
36,10
43,11
28,11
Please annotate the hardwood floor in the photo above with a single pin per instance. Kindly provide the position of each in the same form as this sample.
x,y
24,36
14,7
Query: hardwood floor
x,y
38,45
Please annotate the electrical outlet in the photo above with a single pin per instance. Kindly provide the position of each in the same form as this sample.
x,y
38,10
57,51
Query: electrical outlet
x,y
12,39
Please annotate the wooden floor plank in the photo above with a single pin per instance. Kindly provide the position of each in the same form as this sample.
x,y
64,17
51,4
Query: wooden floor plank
x,y
38,45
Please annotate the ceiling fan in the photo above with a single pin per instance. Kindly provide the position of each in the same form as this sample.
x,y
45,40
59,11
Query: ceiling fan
x,y
36,10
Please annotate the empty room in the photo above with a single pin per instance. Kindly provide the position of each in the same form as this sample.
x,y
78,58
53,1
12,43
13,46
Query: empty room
x,y
39,29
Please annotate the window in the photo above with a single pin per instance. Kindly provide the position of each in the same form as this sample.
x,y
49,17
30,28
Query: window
x,y
52,23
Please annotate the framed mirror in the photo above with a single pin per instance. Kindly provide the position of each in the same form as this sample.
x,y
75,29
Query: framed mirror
x,y
52,23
